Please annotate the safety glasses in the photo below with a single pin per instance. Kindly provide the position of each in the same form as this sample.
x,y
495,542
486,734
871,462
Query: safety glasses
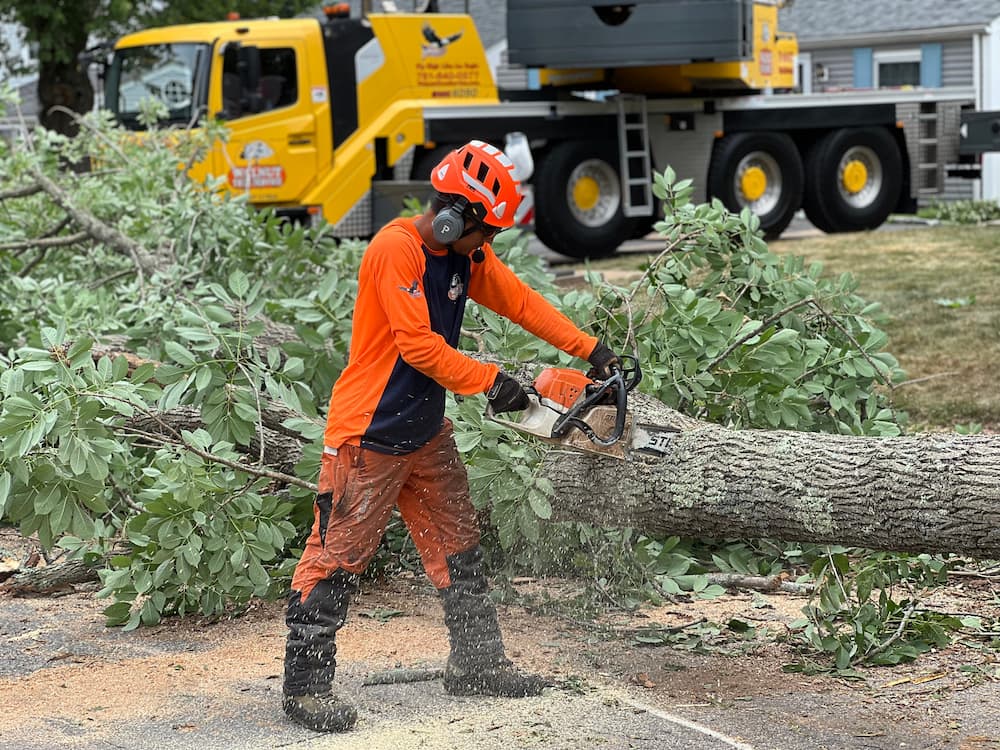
x,y
489,232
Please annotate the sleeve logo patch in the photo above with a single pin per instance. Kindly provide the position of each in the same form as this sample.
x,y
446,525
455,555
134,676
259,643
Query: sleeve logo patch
x,y
413,289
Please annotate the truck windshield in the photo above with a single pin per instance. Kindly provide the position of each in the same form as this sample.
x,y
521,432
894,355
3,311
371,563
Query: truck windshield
x,y
170,73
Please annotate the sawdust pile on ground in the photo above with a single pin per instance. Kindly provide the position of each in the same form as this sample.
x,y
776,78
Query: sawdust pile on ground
x,y
57,653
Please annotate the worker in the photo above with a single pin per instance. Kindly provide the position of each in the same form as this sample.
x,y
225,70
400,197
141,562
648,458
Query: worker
x,y
387,442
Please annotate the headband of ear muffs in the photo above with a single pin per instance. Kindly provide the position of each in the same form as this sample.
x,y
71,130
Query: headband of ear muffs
x,y
449,224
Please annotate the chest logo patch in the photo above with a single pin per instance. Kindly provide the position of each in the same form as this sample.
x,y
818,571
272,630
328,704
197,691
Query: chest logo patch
x,y
413,289
456,288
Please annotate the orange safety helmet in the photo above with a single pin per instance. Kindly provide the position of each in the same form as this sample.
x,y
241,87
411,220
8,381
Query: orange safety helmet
x,y
483,175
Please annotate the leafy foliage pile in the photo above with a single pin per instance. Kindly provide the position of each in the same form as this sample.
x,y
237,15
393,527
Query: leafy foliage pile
x,y
189,463
963,212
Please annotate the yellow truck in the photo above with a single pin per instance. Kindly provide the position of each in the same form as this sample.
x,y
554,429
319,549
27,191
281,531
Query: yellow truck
x,y
341,117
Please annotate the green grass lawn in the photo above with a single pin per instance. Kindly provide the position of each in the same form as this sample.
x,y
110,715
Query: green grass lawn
x,y
940,291
949,350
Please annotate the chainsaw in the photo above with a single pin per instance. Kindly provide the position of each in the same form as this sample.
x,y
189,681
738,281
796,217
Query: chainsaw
x,y
568,408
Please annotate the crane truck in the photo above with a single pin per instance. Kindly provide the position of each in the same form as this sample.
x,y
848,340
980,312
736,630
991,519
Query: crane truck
x,y
339,119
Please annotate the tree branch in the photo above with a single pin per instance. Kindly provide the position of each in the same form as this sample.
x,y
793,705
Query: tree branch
x,y
144,261
20,192
45,243
765,324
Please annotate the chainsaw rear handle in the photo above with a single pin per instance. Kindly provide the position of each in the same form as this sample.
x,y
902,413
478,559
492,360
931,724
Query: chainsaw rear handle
x,y
624,378
630,371
571,418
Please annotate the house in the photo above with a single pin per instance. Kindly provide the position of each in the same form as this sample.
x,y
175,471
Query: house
x,y
24,84
946,45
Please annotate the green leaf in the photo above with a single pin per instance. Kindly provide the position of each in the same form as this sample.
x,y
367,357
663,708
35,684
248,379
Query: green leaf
x,y
540,505
80,346
239,283
39,365
173,393
5,485
179,354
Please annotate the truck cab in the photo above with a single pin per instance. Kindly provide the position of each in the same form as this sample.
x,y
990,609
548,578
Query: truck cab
x,y
319,112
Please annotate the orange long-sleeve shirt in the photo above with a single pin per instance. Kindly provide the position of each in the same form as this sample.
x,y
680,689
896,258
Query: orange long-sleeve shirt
x,y
407,322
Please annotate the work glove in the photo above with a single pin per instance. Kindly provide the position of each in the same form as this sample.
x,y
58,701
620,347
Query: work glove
x,y
602,359
506,394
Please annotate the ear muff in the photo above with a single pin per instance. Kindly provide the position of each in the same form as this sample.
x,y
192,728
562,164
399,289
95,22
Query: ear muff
x,y
449,224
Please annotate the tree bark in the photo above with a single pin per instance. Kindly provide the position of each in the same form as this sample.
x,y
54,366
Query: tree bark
x,y
935,493
51,578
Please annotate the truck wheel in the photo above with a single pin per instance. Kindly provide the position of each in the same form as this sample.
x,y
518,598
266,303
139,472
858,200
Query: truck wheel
x,y
759,171
578,200
853,179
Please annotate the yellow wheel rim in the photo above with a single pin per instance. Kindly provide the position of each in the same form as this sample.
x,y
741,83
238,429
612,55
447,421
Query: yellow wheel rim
x,y
586,193
855,177
753,184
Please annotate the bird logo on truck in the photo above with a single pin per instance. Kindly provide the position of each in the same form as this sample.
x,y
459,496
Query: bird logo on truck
x,y
436,45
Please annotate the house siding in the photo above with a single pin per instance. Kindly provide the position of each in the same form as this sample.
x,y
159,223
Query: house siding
x,y
956,64
839,67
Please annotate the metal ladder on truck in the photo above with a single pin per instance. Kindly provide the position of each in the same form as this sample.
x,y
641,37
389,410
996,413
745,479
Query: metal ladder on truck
x,y
633,150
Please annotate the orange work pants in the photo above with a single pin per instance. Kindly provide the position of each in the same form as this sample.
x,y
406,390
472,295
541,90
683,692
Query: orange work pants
x,y
358,488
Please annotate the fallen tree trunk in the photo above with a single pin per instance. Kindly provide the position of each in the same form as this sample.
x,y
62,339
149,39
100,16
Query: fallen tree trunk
x,y
935,493
49,579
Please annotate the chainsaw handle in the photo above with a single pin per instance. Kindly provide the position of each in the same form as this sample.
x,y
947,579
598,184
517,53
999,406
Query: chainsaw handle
x,y
631,373
570,419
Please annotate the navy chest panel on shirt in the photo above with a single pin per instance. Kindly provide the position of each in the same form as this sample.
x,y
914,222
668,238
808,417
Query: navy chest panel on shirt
x,y
411,409
446,281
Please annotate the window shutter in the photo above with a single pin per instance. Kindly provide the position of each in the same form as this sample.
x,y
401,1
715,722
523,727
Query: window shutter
x,y
930,66
863,68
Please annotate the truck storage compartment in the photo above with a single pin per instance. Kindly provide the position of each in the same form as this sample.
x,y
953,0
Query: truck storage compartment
x,y
574,34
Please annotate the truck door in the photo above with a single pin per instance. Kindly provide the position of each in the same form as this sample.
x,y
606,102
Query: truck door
x,y
261,91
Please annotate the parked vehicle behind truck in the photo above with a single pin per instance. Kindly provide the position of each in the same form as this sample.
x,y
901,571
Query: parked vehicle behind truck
x,y
340,118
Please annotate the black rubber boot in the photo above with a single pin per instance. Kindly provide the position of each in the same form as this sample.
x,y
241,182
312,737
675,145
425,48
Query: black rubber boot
x,y
310,653
477,664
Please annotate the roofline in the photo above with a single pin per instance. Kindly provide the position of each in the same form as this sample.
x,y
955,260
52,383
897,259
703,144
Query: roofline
x,y
881,38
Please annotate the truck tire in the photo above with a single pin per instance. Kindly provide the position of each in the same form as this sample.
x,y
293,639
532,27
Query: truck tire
x,y
578,200
853,179
759,171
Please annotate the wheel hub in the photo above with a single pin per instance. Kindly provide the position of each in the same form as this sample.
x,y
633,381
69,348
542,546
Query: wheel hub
x,y
593,193
753,184
758,183
855,177
860,177
586,193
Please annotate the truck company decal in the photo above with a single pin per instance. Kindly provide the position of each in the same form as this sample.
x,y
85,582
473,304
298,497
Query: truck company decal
x,y
256,150
435,73
257,177
765,62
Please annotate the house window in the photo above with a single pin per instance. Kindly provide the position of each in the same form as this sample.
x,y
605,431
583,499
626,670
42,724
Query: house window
x,y
896,68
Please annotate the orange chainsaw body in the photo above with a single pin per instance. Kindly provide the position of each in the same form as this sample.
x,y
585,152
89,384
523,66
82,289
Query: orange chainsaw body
x,y
562,385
